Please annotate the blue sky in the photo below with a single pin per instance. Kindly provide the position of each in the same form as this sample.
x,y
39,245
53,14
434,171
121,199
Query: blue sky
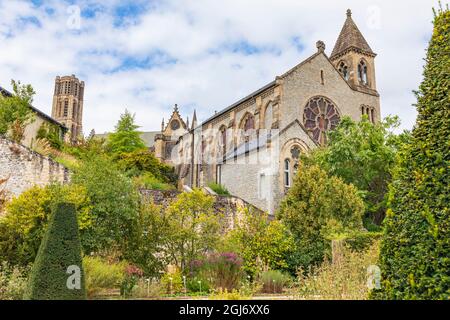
x,y
204,54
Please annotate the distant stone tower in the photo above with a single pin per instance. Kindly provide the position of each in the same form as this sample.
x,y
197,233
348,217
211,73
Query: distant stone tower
x,y
68,105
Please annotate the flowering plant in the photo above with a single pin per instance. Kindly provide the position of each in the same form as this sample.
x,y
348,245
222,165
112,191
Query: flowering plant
x,y
132,276
222,270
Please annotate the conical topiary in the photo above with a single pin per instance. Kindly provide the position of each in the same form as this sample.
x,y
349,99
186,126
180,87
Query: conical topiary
x,y
415,252
57,272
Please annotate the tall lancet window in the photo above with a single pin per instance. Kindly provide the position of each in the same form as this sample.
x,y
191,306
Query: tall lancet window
x,y
287,173
343,69
362,73
66,108
223,139
247,127
268,117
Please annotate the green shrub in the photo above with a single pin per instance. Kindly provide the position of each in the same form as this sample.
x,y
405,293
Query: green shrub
x,y
362,153
101,275
26,219
15,111
59,251
274,281
198,284
415,252
67,161
144,246
115,204
13,281
150,182
260,242
316,207
50,133
360,241
143,161
191,228
172,283
219,189
224,294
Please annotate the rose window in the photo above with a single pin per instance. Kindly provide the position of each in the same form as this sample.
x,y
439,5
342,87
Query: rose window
x,y
320,116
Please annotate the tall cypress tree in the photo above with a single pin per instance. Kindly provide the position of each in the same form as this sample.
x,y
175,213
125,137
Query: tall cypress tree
x,y
57,272
415,252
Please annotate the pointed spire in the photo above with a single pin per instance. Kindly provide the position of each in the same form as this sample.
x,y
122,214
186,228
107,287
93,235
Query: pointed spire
x,y
194,120
351,37
187,122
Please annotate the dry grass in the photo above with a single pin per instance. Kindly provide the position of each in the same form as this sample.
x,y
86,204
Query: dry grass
x,y
343,280
3,194
42,146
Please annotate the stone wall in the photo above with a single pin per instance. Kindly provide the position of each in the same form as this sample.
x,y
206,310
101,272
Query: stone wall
x,y
25,168
230,207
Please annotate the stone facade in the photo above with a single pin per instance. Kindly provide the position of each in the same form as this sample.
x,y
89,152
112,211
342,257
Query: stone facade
x,y
253,146
229,207
25,168
39,119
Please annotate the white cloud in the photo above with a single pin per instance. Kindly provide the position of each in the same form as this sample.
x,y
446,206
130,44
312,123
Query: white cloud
x,y
196,66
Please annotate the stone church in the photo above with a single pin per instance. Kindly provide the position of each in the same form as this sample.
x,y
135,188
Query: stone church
x,y
252,147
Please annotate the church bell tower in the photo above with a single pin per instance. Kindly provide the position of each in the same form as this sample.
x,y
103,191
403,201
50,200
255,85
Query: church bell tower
x,y
354,58
67,105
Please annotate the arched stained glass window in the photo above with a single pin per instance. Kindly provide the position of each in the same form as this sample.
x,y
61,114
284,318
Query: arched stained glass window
x,y
249,123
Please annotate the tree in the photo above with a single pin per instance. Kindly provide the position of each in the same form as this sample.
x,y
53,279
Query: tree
x,y
261,243
147,239
415,251
125,138
142,161
362,154
58,260
114,204
316,207
193,228
15,111
26,219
